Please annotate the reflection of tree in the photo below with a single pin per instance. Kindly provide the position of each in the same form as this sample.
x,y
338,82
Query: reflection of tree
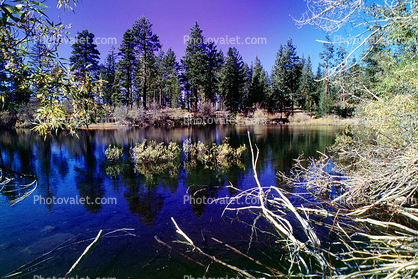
x,y
199,197
144,202
89,179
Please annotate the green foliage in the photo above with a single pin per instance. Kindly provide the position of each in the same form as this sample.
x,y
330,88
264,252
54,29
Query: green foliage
x,y
259,86
220,156
390,122
113,153
145,44
285,77
126,68
233,80
52,116
108,74
170,87
154,153
85,56
194,65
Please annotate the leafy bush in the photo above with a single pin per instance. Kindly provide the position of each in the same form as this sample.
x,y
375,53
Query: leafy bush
x,y
222,156
113,153
153,153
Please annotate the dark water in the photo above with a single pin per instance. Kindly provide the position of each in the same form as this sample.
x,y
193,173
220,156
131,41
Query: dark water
x,y
71,168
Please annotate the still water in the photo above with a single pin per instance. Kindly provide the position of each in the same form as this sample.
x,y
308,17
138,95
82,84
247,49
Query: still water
x,y
41,239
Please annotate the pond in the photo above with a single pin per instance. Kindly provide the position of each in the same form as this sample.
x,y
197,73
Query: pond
x,y
43,235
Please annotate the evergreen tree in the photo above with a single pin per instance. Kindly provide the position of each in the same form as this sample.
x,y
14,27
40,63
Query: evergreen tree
x,y
259,86
306,87
326,97
38,56
126,68
108,73
146,43
285,76
214,61
85,56
278,90
233,79
169,70
194,64
248,71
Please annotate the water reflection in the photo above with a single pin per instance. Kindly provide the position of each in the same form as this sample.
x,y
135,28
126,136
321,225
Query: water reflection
x,y
89,179
68,166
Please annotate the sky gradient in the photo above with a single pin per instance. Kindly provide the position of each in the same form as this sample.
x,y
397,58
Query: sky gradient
x,y
269,20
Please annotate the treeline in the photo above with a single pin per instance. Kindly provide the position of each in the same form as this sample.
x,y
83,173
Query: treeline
x,y
139,74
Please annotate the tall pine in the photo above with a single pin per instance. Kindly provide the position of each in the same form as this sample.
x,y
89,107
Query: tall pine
x,y
146,43
259,86
233,80
85,56
108,74
126,68
194,65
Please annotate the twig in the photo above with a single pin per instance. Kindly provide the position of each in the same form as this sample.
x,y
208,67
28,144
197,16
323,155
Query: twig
x,y
84,253
171,248
213,258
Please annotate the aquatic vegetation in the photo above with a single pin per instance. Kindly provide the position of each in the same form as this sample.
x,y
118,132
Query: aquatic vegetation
x,y
113,153
151,152
220,156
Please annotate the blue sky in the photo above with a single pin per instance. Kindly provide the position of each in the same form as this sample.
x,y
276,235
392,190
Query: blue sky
x,y
267,21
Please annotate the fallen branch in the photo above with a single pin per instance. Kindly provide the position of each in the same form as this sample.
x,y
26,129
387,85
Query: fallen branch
x,y
84,253
213,258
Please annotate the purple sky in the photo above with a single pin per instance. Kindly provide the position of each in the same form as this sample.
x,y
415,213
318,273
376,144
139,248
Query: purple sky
x,y
172,20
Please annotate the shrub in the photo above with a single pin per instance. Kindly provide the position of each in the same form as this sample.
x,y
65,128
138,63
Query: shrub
x,y
113,153
222,156
153,153
136,115
121,115
7,119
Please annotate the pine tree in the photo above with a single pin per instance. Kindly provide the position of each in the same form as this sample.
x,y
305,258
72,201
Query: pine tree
x,y
259,86
126,68
214,62
248,71
169,69
233,79
278,91
285,76
194,64
85,56
327,55
108,74
306,85
146,43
